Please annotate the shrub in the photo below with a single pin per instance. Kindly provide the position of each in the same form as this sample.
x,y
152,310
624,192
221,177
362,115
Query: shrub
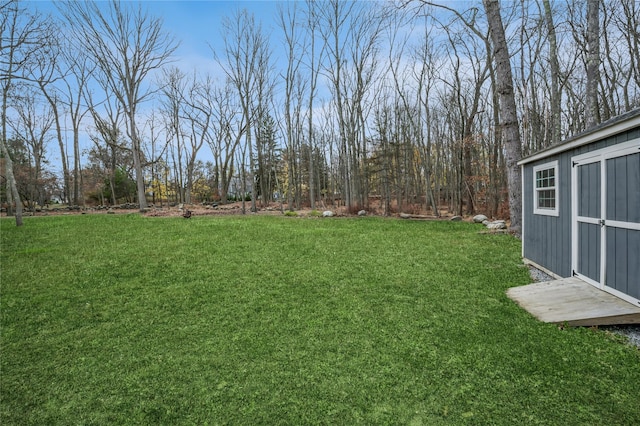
x,y
233,198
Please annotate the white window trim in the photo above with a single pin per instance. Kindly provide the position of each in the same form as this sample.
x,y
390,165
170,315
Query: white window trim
x,y
546,211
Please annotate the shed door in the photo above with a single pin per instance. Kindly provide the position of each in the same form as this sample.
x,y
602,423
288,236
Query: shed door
x,y
606,219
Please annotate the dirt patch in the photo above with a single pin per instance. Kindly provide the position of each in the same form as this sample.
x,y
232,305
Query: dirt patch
x,y
411,212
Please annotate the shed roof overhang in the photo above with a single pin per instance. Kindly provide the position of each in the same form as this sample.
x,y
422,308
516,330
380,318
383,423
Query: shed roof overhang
x,y
609,128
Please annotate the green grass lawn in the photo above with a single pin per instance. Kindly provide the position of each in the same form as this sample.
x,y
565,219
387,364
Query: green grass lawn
x,y
122,319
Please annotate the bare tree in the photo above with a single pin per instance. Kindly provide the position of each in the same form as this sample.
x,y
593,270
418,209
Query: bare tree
x,y
288,21
468,44
333,19
312,64
227,136
155,153
592,111
22,35
556,94
263,124
107,118
35,120
628,23
127,45
245,45
382,156
77,72
414,84
174,86
45,69
198,111
62,72
351,33
625,17
508,112
425,54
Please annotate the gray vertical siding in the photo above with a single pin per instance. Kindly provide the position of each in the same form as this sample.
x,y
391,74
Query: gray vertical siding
x,y
547,239
623,195
623,267
623,204
589,191
590,241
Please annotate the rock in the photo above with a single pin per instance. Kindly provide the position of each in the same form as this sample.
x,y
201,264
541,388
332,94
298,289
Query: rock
x,y
479,218
498,224
110,211
485,222
362,213
180,206
456,218
327,213
405,216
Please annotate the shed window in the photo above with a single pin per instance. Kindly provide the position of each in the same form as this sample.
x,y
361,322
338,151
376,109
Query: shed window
x,y
545,189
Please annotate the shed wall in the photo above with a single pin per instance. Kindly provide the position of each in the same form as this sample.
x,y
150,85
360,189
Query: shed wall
x,y
547,239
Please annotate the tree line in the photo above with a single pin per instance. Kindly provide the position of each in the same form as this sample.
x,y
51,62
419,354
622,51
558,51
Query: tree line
x,y
415,104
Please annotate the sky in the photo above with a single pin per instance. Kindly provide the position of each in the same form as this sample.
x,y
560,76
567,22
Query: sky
x,y
197,26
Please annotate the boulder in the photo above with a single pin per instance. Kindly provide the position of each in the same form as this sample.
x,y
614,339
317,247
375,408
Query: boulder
x,y
362,213
405,216
327,213
456,218
498,224
479,218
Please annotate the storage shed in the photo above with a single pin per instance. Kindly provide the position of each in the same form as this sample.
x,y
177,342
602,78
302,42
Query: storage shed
x,y
581,208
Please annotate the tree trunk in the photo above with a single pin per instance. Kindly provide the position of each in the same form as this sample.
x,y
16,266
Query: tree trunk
x,y
63,156
12,189
593,62
112,174
508,113
137,161
77,187
312,89
555,74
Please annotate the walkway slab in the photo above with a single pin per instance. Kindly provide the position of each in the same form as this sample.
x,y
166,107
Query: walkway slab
x,y
574,302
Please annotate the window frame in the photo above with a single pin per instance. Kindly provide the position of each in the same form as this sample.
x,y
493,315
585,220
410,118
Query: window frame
x,y
546,211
